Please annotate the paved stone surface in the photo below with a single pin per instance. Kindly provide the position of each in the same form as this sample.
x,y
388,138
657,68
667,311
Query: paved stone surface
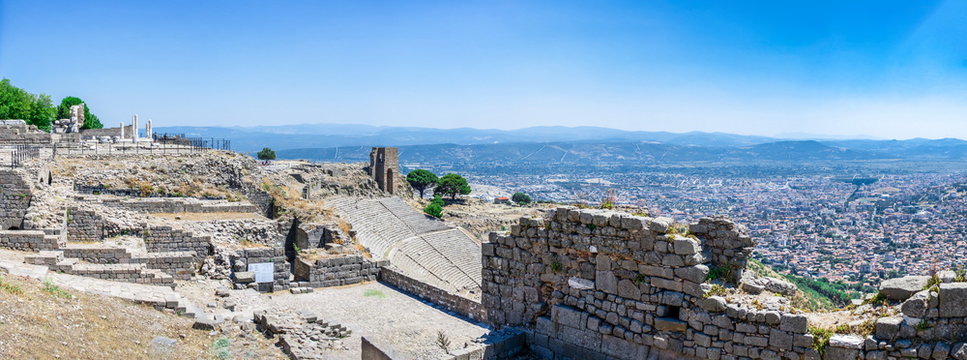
x,y
378,312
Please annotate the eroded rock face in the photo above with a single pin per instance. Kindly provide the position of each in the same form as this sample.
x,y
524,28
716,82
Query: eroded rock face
x,y
903,288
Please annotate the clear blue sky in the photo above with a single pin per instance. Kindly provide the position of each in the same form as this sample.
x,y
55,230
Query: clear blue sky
x,y
889,69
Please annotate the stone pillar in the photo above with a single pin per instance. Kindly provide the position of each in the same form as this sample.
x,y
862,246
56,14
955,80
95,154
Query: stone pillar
x,y
134,128
122,130
149,130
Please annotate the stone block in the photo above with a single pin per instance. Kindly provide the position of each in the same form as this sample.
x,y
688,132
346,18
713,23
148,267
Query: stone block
x,y
686,246
670,324
887,328
953,300
606,281
916,305
713,304
797,324
696,274
903,288
628,289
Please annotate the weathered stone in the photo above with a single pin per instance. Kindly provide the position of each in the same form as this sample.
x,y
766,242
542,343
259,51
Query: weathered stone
x,y
916,305
887,328
628,289
940,350
794,323
580,284
713,303
903,288
686,246
696,274
670,324
606,281
953,300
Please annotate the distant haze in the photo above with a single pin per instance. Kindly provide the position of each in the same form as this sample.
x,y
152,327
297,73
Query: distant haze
x,y
881,69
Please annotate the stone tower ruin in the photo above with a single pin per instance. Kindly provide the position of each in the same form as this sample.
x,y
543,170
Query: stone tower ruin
x,y
384,165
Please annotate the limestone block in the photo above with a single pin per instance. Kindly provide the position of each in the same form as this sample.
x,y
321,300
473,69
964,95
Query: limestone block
x,y
670,324
713,303
628,289
686,246
606,281
696,273
953,300
903,288
916,305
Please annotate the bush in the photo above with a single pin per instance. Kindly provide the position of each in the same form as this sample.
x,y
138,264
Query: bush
x,y
434,210
521,198
266,154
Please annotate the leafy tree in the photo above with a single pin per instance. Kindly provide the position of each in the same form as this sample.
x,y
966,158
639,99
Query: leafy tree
x,y
421,180
453,185
266,154
16,103
90,120
520,198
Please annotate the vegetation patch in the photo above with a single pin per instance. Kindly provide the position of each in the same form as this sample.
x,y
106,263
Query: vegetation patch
x,y
51,288
374,293
10,288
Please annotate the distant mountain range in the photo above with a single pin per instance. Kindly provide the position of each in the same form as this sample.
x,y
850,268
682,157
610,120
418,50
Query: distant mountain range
x,y
577,145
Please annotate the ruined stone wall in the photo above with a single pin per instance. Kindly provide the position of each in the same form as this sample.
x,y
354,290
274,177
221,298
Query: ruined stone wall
x,y
28,240
168,239
87,225
15,195
452,302
605,285
335,271
275,255
179,205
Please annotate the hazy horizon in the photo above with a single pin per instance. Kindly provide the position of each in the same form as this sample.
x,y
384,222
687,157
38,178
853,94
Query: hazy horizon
x,y
884,70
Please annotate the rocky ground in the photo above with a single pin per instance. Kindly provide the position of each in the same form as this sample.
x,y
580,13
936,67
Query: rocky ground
x,y
480,217
42,321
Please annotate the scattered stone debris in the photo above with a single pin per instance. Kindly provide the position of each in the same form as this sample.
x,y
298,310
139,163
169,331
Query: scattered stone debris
x,y
302,335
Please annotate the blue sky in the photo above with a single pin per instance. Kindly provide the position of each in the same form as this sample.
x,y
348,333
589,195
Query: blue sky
x,y
887,69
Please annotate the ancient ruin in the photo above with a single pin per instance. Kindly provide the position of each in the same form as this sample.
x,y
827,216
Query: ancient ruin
x,y
312,255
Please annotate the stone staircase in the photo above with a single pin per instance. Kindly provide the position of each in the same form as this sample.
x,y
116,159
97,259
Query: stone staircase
x,y
117,263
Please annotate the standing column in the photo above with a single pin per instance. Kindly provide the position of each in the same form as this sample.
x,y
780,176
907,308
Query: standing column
x,y
134,128
122,130
149,130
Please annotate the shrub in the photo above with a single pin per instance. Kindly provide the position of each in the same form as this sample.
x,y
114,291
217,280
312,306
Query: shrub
x,y
434,210
443,341
556,267
607,205
266,154
820,339
521,198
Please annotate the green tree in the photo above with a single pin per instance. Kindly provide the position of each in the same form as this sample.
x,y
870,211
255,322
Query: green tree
x,y
453,185
266,154
90,120
421,180
16,103
520,198
434,209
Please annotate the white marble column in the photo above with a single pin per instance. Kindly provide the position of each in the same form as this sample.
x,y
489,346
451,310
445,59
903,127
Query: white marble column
x,y
134,128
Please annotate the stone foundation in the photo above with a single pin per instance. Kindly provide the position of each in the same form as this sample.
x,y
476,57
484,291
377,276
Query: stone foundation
x,y
335,270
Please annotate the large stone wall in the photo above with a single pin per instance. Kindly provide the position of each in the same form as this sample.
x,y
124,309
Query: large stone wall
x,y
15,197
604,285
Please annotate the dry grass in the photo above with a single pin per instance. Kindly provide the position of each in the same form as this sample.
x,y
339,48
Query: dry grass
x,y
44,324
207,216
